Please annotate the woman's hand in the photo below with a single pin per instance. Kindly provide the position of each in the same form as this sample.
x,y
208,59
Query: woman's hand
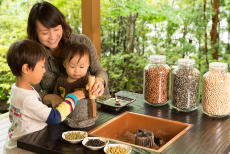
x,y
79,94
98,87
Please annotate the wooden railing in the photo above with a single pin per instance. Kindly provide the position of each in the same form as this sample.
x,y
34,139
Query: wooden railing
x,y
4,127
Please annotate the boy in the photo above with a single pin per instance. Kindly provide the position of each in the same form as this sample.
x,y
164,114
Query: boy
x,y
27,114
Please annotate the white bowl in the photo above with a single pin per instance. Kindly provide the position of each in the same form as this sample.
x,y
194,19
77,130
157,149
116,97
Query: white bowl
x,y
74,141
93,147
129,148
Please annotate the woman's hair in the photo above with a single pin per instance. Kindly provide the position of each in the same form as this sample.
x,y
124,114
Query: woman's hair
x,y
50,17
74,49
24,52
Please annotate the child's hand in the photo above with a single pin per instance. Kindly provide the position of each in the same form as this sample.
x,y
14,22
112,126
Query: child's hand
x,y
79,94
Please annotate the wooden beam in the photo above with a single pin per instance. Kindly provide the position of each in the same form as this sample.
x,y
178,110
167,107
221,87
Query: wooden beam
x,y
91,22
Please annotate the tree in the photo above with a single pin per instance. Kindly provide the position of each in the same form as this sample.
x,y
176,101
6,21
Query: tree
x,y
123,32
214,34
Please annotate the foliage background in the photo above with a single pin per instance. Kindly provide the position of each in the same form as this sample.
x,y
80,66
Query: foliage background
x,y
131,31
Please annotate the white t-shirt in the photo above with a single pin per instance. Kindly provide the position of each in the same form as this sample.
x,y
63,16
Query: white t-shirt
x,y
27,114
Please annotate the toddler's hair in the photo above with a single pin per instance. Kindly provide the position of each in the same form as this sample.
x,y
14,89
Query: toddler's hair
x,y
74,49
24,52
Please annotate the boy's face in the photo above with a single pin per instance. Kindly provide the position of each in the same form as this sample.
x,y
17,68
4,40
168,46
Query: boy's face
x,y
38,72
76,69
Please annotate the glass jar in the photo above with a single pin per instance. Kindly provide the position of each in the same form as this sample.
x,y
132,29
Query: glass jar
x,y
156,81
216,90
185,86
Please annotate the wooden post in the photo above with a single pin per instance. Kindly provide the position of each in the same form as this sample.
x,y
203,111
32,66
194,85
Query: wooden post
x,y
91,22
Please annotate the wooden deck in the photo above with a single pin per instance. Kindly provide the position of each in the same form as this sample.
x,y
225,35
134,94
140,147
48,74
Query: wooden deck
x,y
4,127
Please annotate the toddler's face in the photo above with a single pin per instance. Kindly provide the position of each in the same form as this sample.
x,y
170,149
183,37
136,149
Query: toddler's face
x,y
76,68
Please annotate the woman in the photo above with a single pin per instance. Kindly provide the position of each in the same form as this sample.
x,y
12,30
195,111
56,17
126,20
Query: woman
x,y
47,25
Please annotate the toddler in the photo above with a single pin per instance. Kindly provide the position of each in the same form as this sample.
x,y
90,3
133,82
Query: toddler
x,y
76,60
27,114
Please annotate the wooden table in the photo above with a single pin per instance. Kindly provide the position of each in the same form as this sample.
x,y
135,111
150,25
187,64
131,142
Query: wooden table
x,y
207,136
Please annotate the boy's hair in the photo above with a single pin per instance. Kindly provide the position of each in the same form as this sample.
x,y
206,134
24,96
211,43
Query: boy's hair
x,y
50,17
74,49
24,52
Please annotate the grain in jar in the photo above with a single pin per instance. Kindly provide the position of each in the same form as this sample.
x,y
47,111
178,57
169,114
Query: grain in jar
x,y
185,86
156,81
216,90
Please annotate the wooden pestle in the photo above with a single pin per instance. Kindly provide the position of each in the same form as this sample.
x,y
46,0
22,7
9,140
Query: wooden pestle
x,y
93,106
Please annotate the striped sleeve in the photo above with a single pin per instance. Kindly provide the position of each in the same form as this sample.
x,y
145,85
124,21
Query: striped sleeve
x,y
63,110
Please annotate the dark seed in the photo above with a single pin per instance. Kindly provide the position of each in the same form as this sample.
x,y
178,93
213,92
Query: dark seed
x,y
95,143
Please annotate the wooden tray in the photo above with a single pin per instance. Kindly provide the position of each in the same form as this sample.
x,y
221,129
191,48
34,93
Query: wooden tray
x,y
109,103
168,130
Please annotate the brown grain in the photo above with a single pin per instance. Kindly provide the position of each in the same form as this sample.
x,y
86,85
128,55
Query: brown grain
x,y
156,84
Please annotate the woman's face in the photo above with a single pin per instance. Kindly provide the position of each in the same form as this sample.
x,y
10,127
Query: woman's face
x,y
49,37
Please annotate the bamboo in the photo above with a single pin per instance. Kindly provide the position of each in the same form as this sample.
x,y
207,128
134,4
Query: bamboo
x,y
93,106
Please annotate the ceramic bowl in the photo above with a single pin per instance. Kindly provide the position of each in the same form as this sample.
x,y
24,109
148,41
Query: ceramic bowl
x,y
93,147
129,148
74,141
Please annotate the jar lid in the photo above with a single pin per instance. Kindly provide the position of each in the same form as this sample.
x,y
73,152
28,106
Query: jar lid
x,y
218,65
157,58
186,61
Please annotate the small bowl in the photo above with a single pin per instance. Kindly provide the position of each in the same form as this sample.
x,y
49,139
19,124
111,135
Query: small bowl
x,y
74,141
129,148
92,147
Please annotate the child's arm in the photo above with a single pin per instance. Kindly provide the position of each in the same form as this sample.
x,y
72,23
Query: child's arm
x,y
65,108
33,108
53,99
